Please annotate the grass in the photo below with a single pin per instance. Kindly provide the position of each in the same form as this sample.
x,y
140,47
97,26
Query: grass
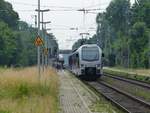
x,y
142,72
2,69
22,92
137,74
104,108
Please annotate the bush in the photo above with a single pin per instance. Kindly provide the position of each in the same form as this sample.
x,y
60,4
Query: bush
x,y
23,90
3,111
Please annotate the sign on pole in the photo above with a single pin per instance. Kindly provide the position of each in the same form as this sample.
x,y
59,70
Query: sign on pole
x,y
45,51
38,41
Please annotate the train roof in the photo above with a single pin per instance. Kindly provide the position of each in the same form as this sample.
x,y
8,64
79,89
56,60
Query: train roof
x,y
85,45
88,45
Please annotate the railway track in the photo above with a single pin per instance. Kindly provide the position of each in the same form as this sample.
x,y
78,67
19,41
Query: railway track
x,y
125,101
131,81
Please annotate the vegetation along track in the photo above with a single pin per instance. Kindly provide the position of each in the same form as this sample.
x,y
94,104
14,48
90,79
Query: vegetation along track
x,y
128,103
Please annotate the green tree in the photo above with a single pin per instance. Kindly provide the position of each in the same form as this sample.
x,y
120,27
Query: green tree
x,y
7,44
139,44
141,12
113,27
8,15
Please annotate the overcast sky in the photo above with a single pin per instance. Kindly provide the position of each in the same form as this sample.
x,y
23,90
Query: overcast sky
x,y
62,20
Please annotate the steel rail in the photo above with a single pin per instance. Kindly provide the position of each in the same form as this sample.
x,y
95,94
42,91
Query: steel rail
x,y
127,102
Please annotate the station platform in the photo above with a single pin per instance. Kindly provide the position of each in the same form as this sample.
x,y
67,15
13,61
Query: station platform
x,y
74,96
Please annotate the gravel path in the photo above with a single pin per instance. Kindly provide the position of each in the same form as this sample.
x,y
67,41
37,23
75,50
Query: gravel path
x,y
75,97
70,98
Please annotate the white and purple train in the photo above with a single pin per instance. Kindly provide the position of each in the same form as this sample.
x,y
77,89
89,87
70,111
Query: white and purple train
x,y
86,62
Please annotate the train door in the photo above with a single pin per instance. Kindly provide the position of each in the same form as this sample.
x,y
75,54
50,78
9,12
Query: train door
x,y
77,64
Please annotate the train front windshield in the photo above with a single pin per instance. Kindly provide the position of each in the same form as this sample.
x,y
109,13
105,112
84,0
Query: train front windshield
x,y
90,53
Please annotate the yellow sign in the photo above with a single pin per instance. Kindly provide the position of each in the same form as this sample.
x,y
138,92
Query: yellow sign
x,y
46,51
38,41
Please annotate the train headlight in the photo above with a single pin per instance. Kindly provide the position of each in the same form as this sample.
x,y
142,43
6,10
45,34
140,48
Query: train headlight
x,y
98,65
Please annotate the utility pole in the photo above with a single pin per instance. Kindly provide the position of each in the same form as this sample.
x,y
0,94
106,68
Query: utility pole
x,y
49,47
46,42
35,21
99,39
84,16
43,36
149,52
38,48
